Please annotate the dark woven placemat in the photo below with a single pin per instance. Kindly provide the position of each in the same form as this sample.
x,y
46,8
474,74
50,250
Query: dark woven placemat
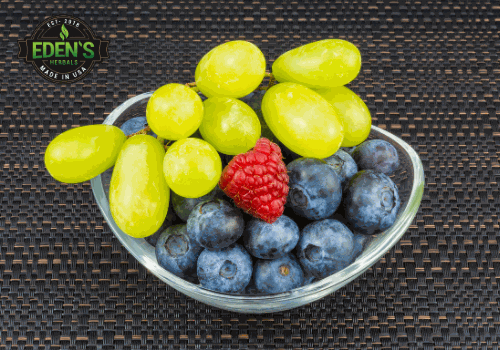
x,y
430,75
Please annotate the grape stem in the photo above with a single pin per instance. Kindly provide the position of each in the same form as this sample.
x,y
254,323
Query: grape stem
x,y
192,85
141,132
160,139
167,145
272,81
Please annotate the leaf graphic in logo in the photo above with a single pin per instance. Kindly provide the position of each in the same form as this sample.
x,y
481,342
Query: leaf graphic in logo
x,y
64,32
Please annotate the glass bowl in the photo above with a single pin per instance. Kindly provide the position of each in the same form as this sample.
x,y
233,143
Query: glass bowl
x,y
410,182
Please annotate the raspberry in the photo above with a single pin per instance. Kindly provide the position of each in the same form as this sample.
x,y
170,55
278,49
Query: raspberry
x,y
257,181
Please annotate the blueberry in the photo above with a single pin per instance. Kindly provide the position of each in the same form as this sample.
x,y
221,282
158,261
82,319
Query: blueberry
x,y
315,188
216,224
343,164
177,252
169,220
371,202
325,247
251,288
271,241
376,155
308,279
360,242
134,125
348,150
254,100
278,275
183,206
225,270
153,239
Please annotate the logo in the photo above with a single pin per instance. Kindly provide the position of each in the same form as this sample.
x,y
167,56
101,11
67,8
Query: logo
x,y
63,49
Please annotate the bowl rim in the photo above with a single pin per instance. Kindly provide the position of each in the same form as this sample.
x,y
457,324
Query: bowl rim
x,y
328,284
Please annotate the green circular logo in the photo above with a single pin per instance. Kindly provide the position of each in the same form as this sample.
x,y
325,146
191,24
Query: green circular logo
x,y
63,49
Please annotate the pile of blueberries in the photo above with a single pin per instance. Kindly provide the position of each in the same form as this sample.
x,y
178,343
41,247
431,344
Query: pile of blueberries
x,y
335,206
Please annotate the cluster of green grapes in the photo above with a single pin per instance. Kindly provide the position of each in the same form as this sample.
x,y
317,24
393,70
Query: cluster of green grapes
x,y
309,111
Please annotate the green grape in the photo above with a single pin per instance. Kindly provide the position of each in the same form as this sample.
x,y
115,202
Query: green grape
x,y
229,125
192,167
324,63
82,153
138,193
233,69
352,112
302,120
174,111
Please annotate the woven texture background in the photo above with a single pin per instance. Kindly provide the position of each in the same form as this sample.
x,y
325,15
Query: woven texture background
x,y
430,75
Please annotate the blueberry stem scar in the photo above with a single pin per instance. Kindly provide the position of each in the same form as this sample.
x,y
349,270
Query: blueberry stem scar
x,y
284,270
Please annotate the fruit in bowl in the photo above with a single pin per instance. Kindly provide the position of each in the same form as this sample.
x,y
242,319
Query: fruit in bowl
x,y
281,222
